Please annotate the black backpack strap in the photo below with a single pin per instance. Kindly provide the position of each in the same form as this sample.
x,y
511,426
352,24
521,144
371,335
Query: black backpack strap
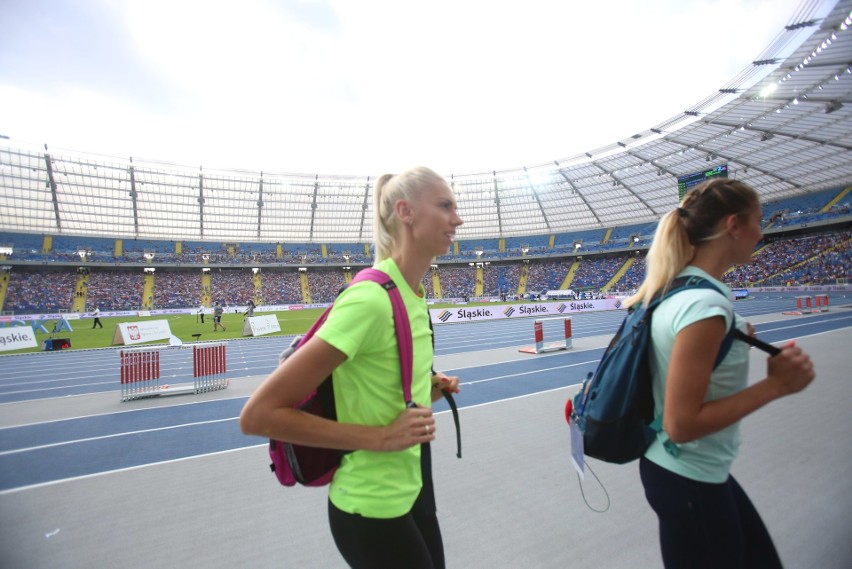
x,y
447,395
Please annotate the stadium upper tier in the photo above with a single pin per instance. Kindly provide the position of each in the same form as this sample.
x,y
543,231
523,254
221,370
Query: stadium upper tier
x,y
783,125
826,210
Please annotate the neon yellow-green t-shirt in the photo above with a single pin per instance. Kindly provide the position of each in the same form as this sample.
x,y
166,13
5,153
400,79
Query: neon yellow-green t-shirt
x,y
368,391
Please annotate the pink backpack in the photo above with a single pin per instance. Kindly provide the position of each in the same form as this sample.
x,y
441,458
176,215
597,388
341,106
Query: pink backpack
x,y
311,466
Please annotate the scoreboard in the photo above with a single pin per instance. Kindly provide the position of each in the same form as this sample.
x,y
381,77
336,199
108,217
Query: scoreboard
x,y
685,183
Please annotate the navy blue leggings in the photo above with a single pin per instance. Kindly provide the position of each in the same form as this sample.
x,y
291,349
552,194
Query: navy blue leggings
x,y
706,526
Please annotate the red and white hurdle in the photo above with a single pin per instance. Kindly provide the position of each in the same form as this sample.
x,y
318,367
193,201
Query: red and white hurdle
x,y
807,305
541,347
140,371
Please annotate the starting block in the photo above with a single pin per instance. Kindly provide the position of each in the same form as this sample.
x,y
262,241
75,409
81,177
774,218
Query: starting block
x,y
540,346
806,305
140,371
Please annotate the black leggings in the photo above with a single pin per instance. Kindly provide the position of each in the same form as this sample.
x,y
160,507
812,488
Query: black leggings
x,y
411,541
706,526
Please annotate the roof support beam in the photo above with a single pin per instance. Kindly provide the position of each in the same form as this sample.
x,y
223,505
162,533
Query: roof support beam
x,y
497,205
537,199
364,204
580,195
133,195
259,205
52,184
793,136
201,204
313,209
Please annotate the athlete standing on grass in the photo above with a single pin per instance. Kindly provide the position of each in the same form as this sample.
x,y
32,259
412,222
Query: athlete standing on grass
x,y
706,520
381,504
217,316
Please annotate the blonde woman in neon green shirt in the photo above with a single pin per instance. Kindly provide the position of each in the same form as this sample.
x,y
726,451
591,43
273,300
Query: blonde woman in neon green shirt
x,y
381,504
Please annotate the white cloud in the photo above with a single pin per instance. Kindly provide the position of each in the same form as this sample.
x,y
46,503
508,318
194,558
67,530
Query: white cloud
x,y
370,86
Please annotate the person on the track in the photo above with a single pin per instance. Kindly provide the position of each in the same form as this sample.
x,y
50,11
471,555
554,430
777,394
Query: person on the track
x,y
381,503
706,520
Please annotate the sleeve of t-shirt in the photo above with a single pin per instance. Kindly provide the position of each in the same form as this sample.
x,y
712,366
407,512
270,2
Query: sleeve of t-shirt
x,y
699,304
360,312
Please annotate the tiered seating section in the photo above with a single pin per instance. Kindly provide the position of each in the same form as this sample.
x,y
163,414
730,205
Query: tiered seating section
x,y
47,282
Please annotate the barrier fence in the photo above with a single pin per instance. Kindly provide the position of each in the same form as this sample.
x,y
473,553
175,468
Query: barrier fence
x,y
140,370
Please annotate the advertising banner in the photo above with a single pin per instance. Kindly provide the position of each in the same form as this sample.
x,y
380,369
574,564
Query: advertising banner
x,y
129,333
260,325
17,338
536,309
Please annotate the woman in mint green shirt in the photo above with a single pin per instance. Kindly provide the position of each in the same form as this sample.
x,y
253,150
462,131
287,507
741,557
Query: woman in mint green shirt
x,y
381,504
706,520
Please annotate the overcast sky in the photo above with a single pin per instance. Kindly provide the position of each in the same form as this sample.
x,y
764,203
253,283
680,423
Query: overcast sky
x,y
364,87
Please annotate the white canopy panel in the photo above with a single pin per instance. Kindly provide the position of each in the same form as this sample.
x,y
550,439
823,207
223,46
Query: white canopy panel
x,y
784,126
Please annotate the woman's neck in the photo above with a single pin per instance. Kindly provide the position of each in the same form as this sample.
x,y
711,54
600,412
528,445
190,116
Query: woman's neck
x,y
711,261
412,269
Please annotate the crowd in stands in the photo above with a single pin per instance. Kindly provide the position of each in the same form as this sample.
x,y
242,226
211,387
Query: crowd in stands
x,y
596,272
457,282
547,275
814,259
819,259
325,284
231,287
177,289
40,291
116,290
281,287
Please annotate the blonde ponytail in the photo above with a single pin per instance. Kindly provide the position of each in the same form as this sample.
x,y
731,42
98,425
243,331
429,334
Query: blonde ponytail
x,y
384,226
669,253
389,189
697,220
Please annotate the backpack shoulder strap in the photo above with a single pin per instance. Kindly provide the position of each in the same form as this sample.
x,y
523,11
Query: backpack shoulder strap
x,y
694,281
401,324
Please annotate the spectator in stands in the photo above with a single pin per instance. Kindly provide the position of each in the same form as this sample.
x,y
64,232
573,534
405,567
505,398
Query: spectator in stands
x,y
415,221
705,517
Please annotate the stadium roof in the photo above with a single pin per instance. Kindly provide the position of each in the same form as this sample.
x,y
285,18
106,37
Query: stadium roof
x,y
783,125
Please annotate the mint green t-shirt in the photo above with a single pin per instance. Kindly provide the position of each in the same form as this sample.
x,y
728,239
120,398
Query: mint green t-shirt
x,y
368,391
709,458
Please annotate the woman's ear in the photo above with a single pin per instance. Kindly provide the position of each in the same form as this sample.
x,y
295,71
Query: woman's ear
x,y
404,212
732,225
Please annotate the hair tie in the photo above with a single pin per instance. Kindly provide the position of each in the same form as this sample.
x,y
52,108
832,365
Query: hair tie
x,y
682,212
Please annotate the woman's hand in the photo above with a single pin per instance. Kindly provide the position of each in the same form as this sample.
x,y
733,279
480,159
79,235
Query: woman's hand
x,y
790,371
413,426
443,382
